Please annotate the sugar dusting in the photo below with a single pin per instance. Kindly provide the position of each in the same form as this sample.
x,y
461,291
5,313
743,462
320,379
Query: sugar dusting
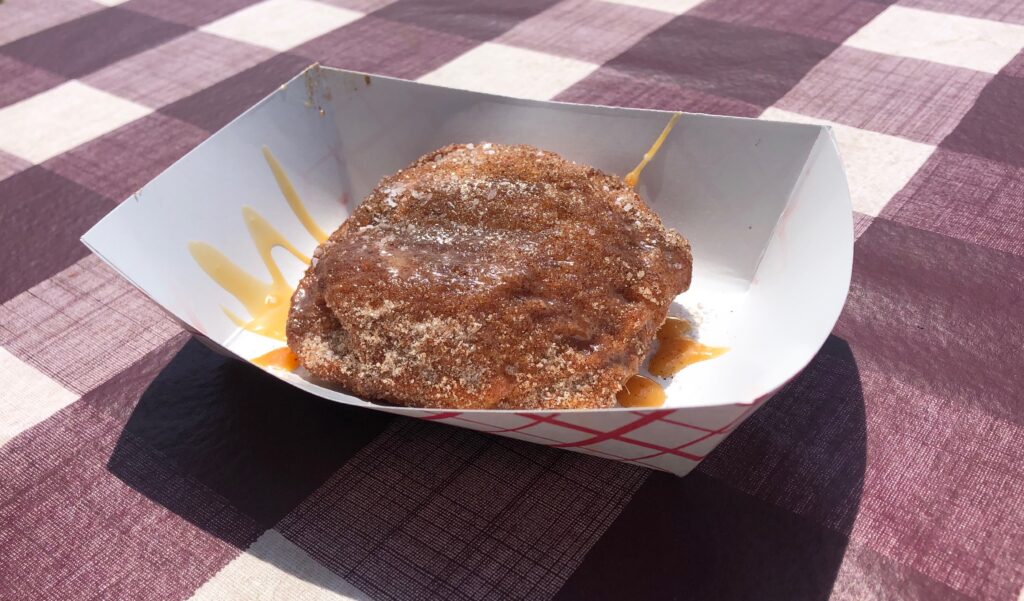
x,y
489,276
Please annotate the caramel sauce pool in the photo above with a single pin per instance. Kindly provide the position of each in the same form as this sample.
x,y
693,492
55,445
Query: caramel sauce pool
x,y
281,358
640,391
676,350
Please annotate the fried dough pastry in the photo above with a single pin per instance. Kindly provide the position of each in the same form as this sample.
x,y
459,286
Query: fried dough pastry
x,y
489,277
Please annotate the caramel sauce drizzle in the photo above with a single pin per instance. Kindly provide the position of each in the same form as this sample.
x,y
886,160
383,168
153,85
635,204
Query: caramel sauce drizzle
x,y
267,303
292,197
676,350
634,176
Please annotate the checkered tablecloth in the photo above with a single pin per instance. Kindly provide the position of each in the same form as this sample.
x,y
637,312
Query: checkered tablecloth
x,y
136,464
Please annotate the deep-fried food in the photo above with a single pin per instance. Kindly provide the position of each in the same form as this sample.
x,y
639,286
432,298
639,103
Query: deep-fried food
x,y
488,276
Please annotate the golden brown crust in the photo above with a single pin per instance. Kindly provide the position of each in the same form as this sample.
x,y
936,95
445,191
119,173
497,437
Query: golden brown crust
x,y
487,276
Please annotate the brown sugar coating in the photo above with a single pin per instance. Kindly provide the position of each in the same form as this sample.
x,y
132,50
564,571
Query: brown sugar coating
x,y
487,276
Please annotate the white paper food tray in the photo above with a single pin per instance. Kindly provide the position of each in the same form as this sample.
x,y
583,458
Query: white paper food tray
x,y
765,206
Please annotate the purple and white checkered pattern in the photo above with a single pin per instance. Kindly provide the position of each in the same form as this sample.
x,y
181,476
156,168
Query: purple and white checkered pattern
x,y
136,464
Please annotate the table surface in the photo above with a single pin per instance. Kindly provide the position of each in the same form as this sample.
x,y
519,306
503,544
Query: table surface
x,y
137,464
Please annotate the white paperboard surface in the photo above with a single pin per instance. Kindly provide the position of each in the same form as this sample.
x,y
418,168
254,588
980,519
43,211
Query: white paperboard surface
x,y
764,205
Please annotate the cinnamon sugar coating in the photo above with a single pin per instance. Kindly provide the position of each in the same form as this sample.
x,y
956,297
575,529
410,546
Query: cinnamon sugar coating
x,y
489,276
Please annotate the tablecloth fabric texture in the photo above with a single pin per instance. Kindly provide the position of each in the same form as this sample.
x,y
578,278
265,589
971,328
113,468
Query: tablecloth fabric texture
x,y
136,464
